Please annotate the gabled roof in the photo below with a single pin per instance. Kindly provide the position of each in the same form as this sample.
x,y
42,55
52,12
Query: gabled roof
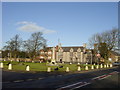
x,y
67,49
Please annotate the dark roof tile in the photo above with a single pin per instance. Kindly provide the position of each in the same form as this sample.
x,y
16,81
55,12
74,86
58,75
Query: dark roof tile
x,y
66,49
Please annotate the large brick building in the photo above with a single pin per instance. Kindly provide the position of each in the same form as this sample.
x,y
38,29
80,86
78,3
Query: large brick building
x,y
76,54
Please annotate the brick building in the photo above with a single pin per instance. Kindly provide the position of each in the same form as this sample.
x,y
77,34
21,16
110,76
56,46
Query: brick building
x,y
114,56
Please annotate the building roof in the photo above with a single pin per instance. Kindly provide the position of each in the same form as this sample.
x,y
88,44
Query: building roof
x,y
66,49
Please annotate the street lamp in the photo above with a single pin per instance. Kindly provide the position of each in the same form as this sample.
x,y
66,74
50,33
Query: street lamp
x,y
91,56
8,55
98,57
0,55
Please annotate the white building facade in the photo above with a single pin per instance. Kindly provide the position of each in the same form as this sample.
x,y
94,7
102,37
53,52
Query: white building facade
x,y
78,54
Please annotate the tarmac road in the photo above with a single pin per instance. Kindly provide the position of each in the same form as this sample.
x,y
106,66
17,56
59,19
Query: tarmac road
x,y
109,82
84,79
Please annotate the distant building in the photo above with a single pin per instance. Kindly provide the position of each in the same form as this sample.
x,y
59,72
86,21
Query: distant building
x,y
0,54
76,54
114,56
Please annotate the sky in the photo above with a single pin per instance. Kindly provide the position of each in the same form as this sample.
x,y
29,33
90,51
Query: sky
x,y
73,23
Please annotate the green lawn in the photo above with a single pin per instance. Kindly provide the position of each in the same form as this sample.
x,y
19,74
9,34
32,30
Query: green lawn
x,y
17,66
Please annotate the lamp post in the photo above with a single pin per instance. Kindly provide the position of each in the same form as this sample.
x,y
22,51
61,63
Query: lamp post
x,y
8,56
98,57
53,55
0,55
91,56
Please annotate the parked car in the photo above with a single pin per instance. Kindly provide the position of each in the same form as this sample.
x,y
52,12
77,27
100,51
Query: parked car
x,y
116,64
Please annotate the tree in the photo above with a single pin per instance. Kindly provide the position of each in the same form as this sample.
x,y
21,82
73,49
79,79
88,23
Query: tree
x,y
103,50
104,42
34,44
13,46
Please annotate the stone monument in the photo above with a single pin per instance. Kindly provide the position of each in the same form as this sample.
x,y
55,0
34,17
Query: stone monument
x,y
53,62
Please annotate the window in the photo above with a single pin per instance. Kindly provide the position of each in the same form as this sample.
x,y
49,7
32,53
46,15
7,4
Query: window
x,y
49,57
78,50
49,52
78,54
42,52
71,50
60,50
41,57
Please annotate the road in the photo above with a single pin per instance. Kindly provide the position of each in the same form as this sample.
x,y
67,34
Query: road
x,y
107,78
108,82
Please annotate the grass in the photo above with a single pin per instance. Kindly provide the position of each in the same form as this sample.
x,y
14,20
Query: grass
x,y
17,66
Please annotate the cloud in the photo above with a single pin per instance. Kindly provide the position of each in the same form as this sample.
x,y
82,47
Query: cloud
x,y
32,27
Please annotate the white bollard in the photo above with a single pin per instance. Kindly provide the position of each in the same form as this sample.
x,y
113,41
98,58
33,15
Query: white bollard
x,y
79,69
1,65
101,66
111,65
49,69
67,69
105,66
94,64
92,67
97,66
70,63
10,66
27,68
78,63
86,67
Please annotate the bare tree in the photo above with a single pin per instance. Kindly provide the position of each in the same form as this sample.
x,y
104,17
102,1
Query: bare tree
x,y
110,38
105,42
13,45
34,44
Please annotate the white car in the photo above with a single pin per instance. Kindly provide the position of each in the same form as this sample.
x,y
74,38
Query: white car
x,y
116,64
